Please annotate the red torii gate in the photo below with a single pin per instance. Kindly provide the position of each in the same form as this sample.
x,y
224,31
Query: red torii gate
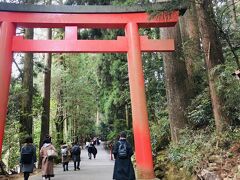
x,y
132,44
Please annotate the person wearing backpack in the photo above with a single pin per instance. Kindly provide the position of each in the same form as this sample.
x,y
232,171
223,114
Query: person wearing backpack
x,y
90,150
76,156
94,152
122,151
47,161
65,152
28,157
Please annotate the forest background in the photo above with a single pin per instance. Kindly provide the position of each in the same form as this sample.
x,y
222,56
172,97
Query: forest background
x,y
192,95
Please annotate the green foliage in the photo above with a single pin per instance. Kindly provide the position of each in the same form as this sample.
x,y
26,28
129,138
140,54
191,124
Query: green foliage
x,y
11,148
160,133
128,2
118,126
196,146
154,85
200,111
11,145
11,138
228,27
87,2
229,90
113,91
36,134
191,149
76,77
104,130
166,6
37,103
231,136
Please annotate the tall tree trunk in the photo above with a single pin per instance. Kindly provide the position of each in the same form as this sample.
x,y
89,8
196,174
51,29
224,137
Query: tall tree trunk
x,y
26,120
59,117
176,82
46,97
47,92
127,117
213,56
232,4
191,40
74,120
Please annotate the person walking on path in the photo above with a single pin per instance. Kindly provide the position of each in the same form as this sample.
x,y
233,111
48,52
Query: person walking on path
x,y
76,156
28,157
90,150
122,151
94,151
47,161
65,152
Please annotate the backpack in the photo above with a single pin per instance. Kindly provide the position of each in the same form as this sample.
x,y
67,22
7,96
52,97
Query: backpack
x,y
27,154
94,151
122,150
51,153
76,150
64,151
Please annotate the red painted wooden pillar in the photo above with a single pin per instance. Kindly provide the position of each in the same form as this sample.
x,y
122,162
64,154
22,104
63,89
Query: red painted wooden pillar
x,y
7,31
138,102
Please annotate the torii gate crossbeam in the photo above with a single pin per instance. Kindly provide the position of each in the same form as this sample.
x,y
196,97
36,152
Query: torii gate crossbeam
x,y
132,44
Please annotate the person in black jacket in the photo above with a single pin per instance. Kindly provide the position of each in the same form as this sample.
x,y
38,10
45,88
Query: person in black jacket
x,y
90,150
122,151
94,151
28,157
76,155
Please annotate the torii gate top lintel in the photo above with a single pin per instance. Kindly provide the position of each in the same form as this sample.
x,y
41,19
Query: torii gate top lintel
x,y
87,9
73,17
54,16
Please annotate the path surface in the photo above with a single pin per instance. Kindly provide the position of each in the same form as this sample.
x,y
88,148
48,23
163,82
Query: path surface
x,y
100,168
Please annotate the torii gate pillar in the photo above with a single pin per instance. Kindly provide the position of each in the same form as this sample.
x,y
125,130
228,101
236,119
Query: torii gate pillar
x,y
6,34
143,148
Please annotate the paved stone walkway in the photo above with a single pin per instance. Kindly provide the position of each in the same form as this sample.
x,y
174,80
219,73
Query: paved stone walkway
x,y
100,168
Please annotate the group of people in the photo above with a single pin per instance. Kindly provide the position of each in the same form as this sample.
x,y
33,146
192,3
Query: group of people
x,y
28,157
92,150
47,153
73,152
122,151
